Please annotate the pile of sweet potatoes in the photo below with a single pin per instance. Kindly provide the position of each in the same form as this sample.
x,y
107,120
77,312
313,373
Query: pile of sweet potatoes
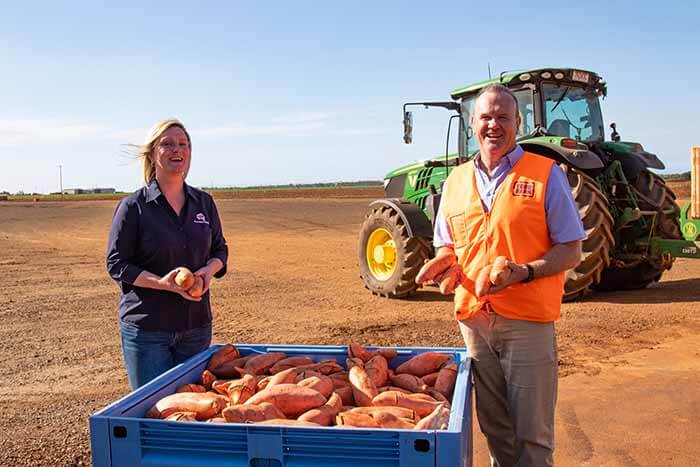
x,y
272,388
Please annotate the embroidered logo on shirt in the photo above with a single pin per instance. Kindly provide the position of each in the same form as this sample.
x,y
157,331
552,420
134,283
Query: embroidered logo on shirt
x,y
199,218
526,189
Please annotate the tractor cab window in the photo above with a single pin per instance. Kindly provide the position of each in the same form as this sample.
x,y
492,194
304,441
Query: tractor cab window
x,y
572,112
525,107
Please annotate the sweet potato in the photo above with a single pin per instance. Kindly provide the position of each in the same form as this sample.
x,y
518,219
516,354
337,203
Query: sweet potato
x,y
291,399
482,285
400,412
324,415
304,374
453,277
241,390
182,417
340,383
197,289
376,369
231,368
409,382
184,278
288,376
359,420
437,396
356,350
389,420
221,386
393,388
325,367
353,362
204,405
346,394
343,375
389,354
259,364
243,413
217,420
289,362
423,364
420,405
438,419
363,389
430,378
191,388
321,383
335,401
445,382
207,379
434,267
500,272
225,354
284,421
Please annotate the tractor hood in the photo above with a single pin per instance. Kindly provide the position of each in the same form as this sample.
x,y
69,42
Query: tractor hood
x,y
633,149
416,166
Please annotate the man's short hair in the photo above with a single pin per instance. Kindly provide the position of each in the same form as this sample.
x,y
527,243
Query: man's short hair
x,y
497,89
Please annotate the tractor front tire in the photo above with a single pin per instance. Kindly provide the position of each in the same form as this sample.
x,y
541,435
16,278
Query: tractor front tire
x,y
388,258
598,224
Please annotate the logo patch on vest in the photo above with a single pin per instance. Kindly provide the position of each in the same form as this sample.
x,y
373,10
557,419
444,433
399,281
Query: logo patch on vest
x,y
526,189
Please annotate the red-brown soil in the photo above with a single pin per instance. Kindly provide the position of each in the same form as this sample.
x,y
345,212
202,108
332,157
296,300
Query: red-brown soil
x,y
293,279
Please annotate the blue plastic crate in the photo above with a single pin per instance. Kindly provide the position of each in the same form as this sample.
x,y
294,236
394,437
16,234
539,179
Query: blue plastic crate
x,y
120,436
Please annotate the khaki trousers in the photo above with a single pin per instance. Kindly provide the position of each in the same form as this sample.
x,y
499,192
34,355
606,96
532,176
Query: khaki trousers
x,y
514,365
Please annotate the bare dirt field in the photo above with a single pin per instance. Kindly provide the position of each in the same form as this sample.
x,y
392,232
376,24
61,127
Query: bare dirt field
x,y
292,279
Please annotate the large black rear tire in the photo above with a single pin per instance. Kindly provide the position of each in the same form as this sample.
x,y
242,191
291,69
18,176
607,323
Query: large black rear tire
x,y
388,258
652,195
598,224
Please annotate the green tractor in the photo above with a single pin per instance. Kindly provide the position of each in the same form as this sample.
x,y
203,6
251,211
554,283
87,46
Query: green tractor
x,y
630,216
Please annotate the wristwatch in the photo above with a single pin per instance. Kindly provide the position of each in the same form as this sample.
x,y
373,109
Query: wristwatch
x,y
530,273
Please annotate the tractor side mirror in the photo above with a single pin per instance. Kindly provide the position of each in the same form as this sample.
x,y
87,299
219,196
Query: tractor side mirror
x,y
615,136
408,127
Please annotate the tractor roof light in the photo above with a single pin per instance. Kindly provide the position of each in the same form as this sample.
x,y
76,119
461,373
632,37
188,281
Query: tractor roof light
x,y
525,77
569,143
559,75
546,75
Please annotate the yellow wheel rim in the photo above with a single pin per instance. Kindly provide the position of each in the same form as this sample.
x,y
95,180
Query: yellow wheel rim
x,y
381,254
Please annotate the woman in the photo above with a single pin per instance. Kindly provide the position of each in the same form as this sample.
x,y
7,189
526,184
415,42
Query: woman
x,y
160,227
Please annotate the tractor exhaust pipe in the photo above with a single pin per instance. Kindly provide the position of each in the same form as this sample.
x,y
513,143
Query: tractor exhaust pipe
x,y
695,184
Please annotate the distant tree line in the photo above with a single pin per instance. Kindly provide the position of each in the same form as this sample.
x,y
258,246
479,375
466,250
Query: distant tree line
x,y
683,176
360,183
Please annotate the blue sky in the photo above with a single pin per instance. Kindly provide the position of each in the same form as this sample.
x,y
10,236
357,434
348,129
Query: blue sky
x,y
301,92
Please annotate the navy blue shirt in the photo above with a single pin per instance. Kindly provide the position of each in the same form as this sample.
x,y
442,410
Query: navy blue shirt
x,y
147,234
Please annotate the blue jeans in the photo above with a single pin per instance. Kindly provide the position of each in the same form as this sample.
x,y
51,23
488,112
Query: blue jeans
x,y
147,354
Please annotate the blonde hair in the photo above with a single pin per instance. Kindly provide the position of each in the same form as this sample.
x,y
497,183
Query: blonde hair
x,y
145,150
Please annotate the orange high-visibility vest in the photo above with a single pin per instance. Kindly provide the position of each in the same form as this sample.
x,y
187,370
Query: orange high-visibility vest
x,y
515,227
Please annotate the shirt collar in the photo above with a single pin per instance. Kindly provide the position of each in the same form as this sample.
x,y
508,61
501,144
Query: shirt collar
x,y
153,191
511,158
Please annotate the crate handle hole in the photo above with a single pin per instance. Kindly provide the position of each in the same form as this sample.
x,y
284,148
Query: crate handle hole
x,y
119,432
261,462
421,445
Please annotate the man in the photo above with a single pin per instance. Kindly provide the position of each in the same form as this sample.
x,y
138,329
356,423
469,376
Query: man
x,y
511,203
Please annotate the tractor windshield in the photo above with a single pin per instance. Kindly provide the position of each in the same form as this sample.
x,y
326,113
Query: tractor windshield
x,y
572,112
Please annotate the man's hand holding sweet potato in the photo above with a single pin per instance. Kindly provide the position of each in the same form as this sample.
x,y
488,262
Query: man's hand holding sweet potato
x,y
442,270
